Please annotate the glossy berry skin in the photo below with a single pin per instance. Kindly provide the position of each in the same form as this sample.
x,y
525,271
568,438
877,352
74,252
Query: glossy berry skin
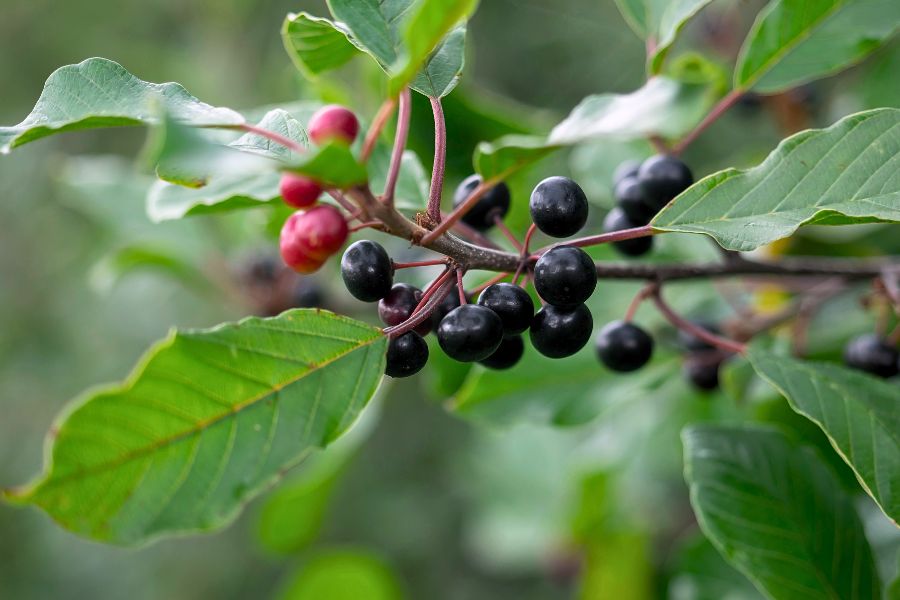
x,y
398,306
449,302
470,333
558,206
494,202
299,191
333,122
507,355
617,220
624,346
662,178
511,303
308,238
702,371
406,355
367,271
631,200
625,170
565,276
560,332
872,354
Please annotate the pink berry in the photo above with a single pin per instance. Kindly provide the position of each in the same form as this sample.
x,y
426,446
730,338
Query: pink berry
x,y
333,122
299,191
309,237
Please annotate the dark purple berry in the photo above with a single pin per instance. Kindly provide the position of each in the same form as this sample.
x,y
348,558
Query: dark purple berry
x,y
872,354
495,202
663,177
367,271
624,346
558,207
626,169
511,303
507,355
470,333
558,332
702,370
617,220
565,276
406,355
398,306
631,200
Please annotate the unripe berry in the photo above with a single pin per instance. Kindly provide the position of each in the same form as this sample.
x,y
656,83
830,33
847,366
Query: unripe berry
x,y
406,355
494,202
333,122
308,238
299,191
367,271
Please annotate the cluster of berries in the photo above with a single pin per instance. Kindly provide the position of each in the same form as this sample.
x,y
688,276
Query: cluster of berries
x,y
641,191
316,231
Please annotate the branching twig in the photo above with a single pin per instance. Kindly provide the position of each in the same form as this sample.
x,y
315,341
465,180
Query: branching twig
x,y
694,329
403,113
440,159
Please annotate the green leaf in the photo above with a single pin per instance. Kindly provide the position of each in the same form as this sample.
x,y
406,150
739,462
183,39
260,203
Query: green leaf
x,y
859,413
503,157
344,575
207,420
278,121
663,107
379,29
146,257
635,14
699,573
316,44
429,23
850,169
223,193
333,165
778,514
101,93
795,41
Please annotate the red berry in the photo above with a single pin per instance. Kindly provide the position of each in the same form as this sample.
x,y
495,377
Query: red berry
x,y
333,121
299,191
309,237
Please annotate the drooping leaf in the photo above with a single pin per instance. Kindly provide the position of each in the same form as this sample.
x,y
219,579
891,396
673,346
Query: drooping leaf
x,y
503,157
207,420
795,41
278,121
663,107
101,93
429,23
332,165
778,514
859,413
316,44
849,170
167,201
378,28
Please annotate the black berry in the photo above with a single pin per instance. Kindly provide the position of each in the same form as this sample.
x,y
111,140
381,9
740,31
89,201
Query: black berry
x,y
692,343
617,220
565,276
507,355
631,199
406,355
662,178
624,346
559,332
872,354
449,302
558,206
398,306
626,169
495,202
367,271
511,303
702,370
470,333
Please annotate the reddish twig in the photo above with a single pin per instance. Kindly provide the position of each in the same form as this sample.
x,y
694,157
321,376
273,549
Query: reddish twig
x,y
403,114
458,212
694,329
498,221
718,110
271,135
440,159
423,312
496,279
378,123
645,292
603,238
420,263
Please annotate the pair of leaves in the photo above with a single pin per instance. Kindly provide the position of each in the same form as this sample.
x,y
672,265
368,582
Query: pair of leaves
x,y
659,21
778,514
847,173
205,422
417,42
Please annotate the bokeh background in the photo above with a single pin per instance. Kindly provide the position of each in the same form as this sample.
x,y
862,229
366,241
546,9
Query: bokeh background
x,y
418,502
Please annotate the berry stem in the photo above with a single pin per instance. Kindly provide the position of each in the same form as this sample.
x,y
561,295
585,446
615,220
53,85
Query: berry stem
x,y
403,113
695,330
346,204
423,311
440,159
498,221
434,285
459,212
645,292
473,235
603,238
718,110
461,288
420,263
275,137
366,225
496,279
378,123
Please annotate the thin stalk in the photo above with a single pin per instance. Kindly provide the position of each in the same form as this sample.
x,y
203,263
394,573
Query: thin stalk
x,y
694,329
403,114
718,110
378,123
440,160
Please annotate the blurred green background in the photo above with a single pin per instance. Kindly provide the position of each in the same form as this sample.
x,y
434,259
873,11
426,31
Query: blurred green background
x,y
417,503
